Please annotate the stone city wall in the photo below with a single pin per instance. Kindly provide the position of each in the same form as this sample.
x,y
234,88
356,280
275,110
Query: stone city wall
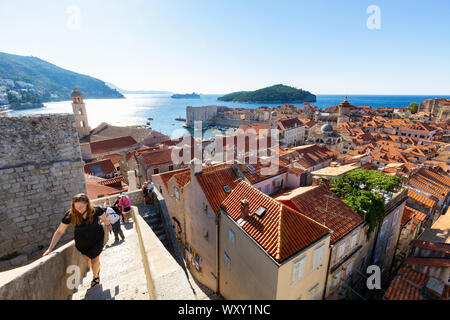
x,y
40,171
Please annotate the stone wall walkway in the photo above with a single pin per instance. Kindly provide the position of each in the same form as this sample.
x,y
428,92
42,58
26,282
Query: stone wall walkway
x,y
122,275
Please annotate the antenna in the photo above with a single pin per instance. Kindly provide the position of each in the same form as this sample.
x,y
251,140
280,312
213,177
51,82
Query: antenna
x,y
328,212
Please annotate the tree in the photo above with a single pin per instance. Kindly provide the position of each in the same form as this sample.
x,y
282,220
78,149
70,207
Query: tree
x,y
413,107
363,191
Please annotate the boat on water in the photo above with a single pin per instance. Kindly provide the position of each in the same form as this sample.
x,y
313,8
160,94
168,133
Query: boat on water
x,y
193,95
180,119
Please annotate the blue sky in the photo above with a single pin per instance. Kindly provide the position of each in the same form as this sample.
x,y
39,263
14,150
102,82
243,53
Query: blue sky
x,y
219,46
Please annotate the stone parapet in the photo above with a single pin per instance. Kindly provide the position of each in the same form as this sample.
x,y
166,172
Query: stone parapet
x,y
166,279
43,279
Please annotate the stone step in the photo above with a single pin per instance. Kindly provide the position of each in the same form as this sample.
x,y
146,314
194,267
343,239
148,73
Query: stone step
x,y
162,237
154,220
159,231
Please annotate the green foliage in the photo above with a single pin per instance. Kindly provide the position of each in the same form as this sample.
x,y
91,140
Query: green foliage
x,y
362,190
413,107
275,94
49,79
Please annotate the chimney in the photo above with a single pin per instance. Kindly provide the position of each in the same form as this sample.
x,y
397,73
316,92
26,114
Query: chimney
x,y
244,208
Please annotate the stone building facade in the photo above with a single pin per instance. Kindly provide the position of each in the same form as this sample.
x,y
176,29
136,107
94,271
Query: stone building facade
x,y
40,170
439,109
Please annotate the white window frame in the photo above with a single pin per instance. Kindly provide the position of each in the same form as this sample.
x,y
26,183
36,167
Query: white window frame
x,y
297,274
349,269
394,221
226,259
354,240
337,279
231,236
318,256
341,250
314,289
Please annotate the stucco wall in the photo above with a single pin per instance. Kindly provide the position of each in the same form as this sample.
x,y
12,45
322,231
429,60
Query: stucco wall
x,y
251,273
198,223
311,277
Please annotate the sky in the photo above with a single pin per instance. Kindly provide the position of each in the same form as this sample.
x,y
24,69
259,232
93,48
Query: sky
x,y
221,46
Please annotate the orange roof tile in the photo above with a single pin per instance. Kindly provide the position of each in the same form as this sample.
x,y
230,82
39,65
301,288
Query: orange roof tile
x,y
95,188
281,231
323,206
435,262
156,157
212,181
421,199
112,144
106,166
433,246
412,214
407,285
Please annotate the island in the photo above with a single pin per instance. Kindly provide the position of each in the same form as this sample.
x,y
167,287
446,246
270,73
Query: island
x,y
193,95
275,94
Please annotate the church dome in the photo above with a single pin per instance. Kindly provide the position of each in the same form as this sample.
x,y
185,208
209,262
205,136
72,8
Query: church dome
x,y
327,128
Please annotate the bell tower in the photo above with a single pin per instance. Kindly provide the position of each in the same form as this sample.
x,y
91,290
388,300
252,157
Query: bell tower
x,y
79,110
273,121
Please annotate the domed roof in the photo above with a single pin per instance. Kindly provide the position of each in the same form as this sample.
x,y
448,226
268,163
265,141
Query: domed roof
x,y
326,128
76,93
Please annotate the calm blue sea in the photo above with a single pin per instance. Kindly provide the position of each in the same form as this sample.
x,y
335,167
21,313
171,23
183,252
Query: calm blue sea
x,y
135,109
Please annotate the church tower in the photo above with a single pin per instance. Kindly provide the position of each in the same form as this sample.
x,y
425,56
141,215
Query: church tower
x,y
79,110
273,121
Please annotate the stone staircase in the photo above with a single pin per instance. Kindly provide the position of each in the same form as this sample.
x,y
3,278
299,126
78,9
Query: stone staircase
x,y
122,275
154,220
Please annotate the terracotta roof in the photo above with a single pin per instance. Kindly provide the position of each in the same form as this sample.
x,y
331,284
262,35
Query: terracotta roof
x,y
433,246
156,157
106,166
415,215
407,285
257,175
435,262
421,199
112,144
435,176
182,178
112,181
95,188
296,171
323,206
311,155
213,179
115,158
281,231
289,123
166,176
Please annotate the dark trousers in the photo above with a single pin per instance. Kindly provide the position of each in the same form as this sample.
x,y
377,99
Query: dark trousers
x,y
117,230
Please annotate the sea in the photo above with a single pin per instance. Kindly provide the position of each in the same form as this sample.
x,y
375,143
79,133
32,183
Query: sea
x,y
136,109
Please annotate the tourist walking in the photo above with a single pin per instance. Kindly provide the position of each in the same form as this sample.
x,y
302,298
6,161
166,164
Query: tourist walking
x,y
114,220
125,205
88,232
117,208
145,192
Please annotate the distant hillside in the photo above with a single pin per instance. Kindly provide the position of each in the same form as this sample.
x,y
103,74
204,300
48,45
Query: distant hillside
x,y
30,79
275,94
